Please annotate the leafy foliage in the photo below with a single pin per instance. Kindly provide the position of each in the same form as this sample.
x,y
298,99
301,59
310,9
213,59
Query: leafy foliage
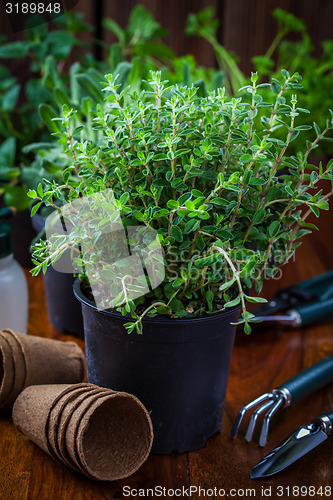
x,y
23,104
25,109
298,55
294,54
209,174
204,24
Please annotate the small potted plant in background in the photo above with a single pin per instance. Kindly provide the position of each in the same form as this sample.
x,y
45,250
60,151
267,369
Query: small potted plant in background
x,y
228,205
28,153
23,135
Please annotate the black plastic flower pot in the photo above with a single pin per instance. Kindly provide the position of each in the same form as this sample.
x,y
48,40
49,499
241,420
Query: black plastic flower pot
x,y
178,368
22,235
63,309
63,313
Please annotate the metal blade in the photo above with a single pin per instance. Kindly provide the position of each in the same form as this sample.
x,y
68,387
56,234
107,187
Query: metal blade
x,y
271,307
292,318
298,444
288,319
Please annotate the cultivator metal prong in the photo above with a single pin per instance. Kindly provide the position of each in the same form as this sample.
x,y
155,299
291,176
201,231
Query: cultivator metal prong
x,y
272,401
254,418
267,421
249,406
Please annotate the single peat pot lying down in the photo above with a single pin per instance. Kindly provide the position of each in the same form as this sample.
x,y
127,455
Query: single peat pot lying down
x,y
30,360
178,368
103,434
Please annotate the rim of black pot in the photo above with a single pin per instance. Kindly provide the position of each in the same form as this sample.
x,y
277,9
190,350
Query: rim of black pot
x,y
83,299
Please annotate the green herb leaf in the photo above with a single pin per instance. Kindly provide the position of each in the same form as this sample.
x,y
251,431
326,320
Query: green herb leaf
x,y
191,225
234,302
176,232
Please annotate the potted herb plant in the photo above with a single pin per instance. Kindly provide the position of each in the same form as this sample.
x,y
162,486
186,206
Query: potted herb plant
x,y
27,153
228,206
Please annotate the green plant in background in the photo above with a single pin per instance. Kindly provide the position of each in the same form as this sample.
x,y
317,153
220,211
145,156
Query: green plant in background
x,y
28,152
140,49
22,105
227,199
139,46
287,23
204,25
317,72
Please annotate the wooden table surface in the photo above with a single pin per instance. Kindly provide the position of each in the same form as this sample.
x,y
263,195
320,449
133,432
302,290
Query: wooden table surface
x,y
260,362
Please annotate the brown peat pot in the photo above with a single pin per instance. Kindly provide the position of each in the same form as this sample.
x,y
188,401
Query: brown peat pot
x,y
178,368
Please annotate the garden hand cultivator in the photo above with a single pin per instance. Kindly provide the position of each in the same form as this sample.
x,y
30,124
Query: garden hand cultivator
x,y
296,388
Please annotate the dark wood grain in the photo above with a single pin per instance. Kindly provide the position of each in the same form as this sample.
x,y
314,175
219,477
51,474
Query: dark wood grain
x,y
15,460
247,28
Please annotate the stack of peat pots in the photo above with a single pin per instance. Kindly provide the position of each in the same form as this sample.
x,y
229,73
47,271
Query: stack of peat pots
x,y
29,360
103,434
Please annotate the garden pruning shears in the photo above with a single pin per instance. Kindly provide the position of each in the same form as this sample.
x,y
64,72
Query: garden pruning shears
x,y
305,303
